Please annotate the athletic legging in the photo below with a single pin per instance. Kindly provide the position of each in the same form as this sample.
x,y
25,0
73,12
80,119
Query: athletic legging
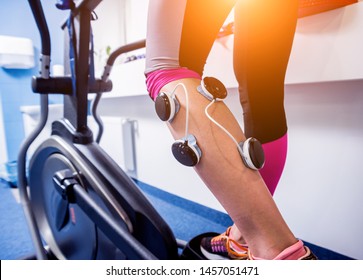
x,y
180,36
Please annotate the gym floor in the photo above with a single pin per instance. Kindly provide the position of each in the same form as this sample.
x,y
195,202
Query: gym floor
x,y
179,213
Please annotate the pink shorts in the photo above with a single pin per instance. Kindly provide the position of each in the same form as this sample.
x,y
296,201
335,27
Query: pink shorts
x,y
159,78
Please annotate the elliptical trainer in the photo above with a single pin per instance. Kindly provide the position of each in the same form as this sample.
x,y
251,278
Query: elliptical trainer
x,y
79,204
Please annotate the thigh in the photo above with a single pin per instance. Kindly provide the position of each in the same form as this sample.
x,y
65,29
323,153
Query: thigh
x,y
164,28
202,21
264,32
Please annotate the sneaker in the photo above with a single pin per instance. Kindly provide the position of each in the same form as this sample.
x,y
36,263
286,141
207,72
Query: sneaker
x,y
219,248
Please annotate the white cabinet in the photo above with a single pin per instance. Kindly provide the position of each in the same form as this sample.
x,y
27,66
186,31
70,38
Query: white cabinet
x,y
328,47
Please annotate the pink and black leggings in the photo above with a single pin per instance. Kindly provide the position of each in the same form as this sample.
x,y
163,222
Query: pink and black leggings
x,y
180,36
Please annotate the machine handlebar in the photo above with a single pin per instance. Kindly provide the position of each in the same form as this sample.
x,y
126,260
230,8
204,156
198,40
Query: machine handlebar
x,y
42,25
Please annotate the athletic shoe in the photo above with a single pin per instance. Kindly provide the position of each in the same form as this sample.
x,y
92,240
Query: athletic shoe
x,y
220,248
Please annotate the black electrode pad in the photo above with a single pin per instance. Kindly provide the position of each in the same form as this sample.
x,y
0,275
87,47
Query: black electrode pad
x,y
214,87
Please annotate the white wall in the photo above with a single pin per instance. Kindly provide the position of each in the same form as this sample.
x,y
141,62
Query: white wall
x,y
321,190
109,30
136,17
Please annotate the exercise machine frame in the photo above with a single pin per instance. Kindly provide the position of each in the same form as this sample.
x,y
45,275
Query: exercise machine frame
x,y
78,202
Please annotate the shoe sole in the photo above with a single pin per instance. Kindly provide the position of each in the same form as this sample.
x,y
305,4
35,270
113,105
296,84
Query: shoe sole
x,y
211,256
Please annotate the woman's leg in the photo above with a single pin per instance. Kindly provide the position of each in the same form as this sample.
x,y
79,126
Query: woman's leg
x,y
241,191
264,32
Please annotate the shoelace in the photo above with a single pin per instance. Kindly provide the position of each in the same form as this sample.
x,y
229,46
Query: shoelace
x,y
222,243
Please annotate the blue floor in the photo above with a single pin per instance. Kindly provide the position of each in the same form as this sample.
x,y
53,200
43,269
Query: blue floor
x,y
178,213
15,240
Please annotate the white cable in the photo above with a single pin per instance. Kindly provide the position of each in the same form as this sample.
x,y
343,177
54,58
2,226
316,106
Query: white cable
x,y
220,126
207,114
186,106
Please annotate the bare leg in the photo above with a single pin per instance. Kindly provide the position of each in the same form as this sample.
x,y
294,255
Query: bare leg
x,y
264,32
241,191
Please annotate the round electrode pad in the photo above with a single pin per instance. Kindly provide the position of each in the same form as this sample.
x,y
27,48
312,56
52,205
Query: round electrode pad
x,y
166,106
186,151
214,88
252,155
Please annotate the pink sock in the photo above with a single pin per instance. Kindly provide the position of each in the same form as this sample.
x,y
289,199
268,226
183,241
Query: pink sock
x,y
294,252
159,78
275,157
